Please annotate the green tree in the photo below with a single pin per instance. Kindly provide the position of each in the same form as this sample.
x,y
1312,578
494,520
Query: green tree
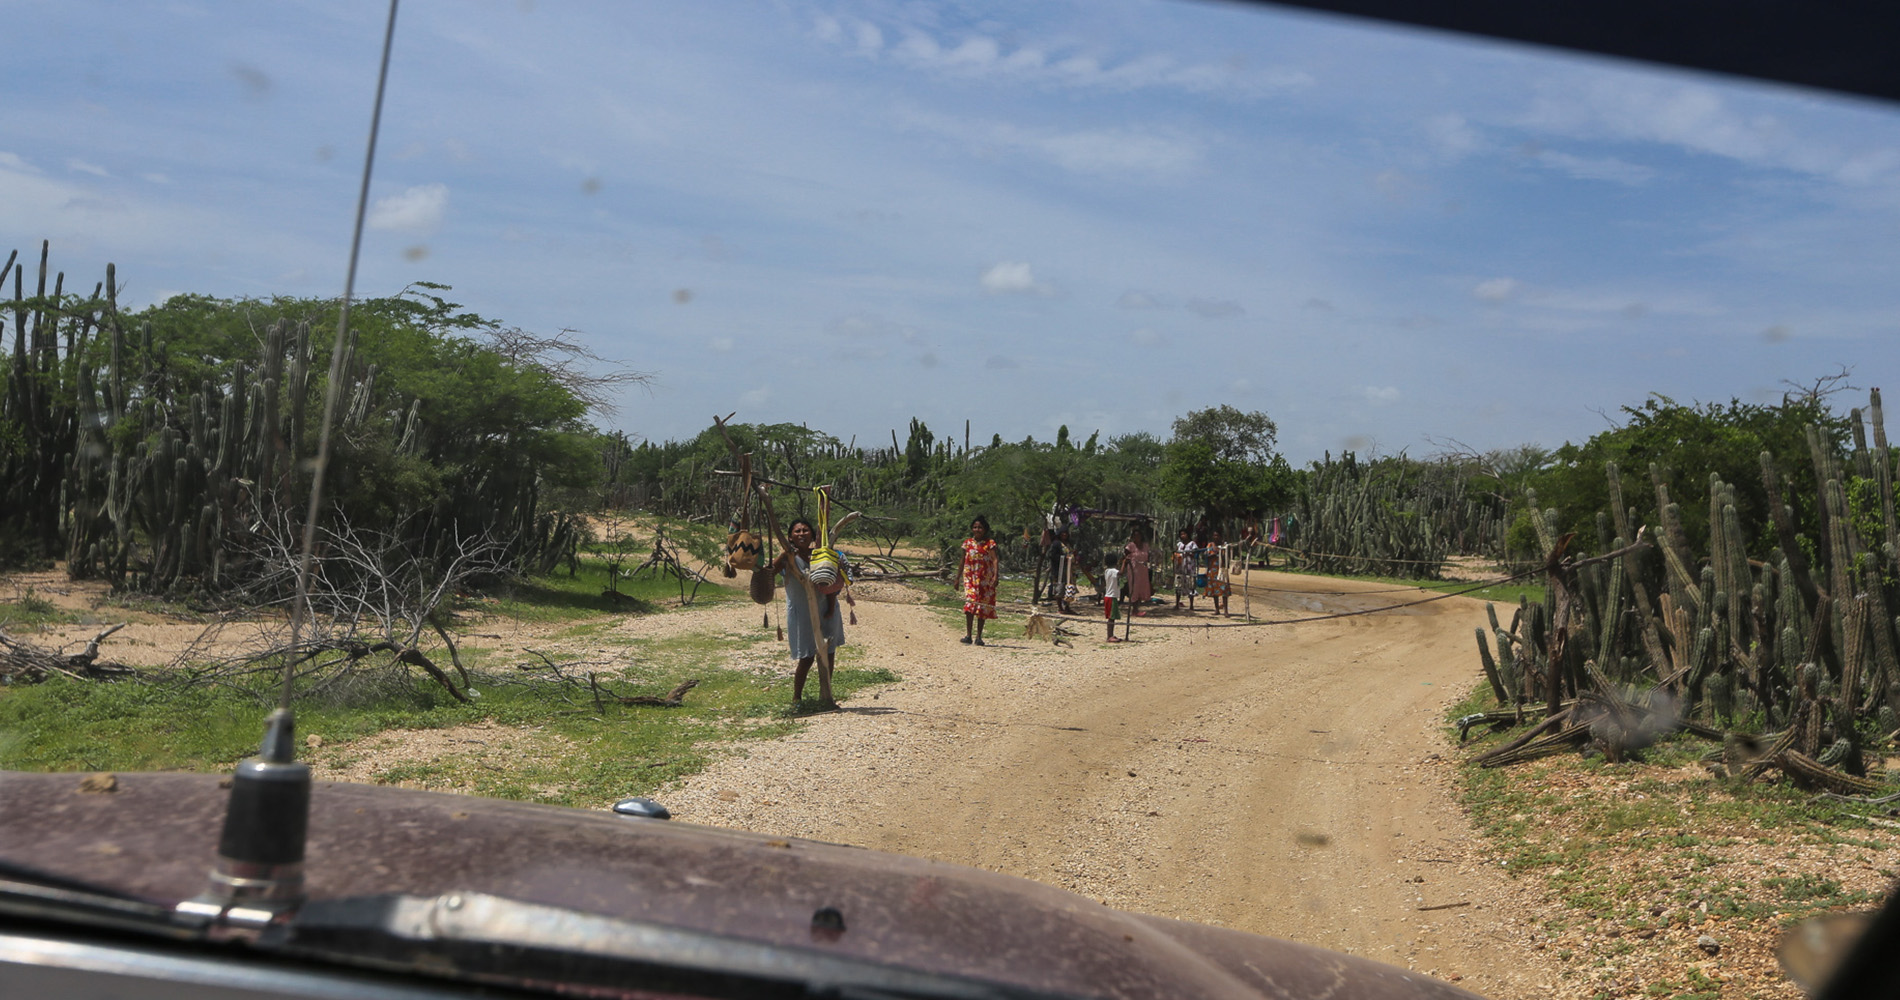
x,y
1688,442
1221,461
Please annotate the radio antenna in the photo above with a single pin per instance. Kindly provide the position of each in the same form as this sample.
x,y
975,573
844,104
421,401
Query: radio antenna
x,y
260,852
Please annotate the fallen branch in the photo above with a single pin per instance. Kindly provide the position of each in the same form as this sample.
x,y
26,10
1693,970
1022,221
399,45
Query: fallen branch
x,y
22,662
673,699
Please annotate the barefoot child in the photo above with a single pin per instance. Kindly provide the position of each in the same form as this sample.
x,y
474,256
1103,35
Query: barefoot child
x,y
1111,588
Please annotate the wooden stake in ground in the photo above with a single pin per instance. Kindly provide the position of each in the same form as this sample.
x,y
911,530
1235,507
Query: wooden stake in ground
x,y
820,642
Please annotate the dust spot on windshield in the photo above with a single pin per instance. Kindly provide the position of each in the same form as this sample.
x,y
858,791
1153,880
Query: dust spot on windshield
x,y
256,82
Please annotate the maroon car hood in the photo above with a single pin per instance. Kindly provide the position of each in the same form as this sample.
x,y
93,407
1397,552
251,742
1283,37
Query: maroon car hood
x,y
153,836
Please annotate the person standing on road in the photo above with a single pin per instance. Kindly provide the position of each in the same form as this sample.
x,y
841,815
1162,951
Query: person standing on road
x,y
1218,586
1111,593
798,630
1136,558
980,565
1187,561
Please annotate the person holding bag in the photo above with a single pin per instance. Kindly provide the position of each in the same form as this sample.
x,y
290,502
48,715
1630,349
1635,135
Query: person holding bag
x,y
803,538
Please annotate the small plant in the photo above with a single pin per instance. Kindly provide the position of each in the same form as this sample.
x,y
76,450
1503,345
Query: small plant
x,y
34,604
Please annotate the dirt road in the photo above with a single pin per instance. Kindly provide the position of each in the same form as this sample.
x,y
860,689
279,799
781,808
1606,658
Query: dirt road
x,y
1288,780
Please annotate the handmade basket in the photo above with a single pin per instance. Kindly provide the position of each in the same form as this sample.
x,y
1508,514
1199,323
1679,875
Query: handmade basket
x,y
826,570
743,549
761,586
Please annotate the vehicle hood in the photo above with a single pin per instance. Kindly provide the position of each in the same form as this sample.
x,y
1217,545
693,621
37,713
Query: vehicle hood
x,y
152,836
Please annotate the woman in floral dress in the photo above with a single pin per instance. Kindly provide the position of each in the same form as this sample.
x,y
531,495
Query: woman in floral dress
x,y
979,580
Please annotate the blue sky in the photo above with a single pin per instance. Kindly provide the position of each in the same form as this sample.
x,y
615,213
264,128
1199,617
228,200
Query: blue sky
x,y
1103,214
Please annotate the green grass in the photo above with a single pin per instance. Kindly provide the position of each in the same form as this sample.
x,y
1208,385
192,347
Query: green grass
x,y
603,752
29,610
575,751
559,597
1699,837
946,604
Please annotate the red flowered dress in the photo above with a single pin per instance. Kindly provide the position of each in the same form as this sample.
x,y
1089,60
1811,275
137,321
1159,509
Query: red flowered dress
x,y
979,577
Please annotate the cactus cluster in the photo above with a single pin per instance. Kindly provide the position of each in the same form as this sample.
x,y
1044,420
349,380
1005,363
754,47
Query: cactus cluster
x,y
156,487
1801,639
1382,518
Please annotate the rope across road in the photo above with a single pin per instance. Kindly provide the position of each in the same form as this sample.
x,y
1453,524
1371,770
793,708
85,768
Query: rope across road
x,y
1296,621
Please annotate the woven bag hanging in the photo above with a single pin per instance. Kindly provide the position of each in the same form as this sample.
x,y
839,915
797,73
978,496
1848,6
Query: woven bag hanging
x,y
743,547
827,569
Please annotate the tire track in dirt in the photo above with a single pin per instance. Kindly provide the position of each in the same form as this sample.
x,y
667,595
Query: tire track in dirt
x,y
1286,781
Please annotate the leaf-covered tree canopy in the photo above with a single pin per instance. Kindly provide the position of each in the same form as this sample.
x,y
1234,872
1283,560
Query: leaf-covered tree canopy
x,y
1222,461
1688,443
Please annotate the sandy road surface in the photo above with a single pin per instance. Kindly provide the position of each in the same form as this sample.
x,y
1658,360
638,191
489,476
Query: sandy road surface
x,y
1288,780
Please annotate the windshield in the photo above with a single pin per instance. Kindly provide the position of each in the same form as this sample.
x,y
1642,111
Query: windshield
x,y
891,239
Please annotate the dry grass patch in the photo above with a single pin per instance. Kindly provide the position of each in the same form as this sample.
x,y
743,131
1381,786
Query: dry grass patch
x,y
1667,881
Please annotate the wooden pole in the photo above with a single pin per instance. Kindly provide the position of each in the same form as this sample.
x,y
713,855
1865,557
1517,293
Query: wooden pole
x,y
821,644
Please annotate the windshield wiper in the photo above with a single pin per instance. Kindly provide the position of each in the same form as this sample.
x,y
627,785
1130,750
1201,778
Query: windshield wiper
x,y
483,938
478,938
38,896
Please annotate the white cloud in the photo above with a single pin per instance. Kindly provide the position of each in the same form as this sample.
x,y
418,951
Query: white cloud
x,y
1216,308
1098,151
1380,393
1496,289
12,161
1596,168
1397,186
755,397
1145,337
419,209
984,55
722,345
1013,277
1701,119
87,168
864,326
1451,136
1115,151
1135,299
156,178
